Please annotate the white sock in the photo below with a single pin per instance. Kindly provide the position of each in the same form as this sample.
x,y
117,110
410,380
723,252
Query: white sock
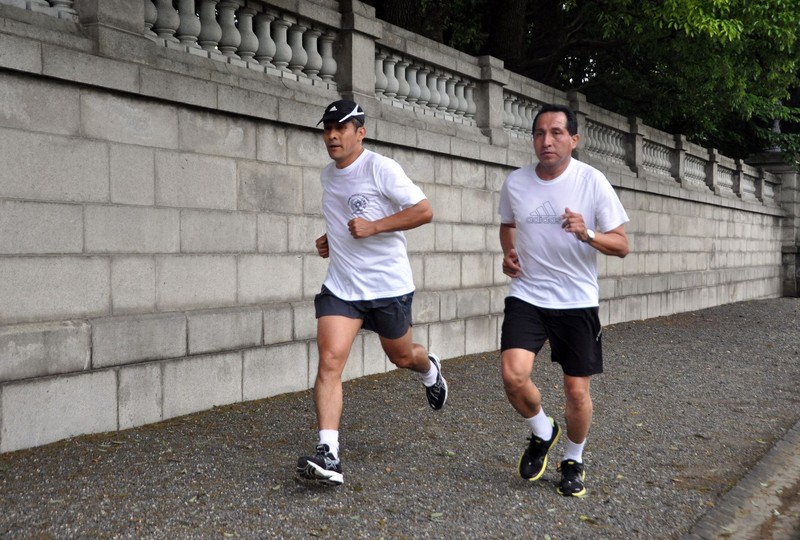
x,y
429,378
574,451
331,438
540,425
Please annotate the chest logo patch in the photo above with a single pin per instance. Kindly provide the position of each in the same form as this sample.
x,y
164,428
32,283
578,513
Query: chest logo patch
x,y
358,204
544,214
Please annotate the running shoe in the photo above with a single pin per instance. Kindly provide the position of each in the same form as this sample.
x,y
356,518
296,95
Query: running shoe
x,y
436,393
533,461
322,467
572,476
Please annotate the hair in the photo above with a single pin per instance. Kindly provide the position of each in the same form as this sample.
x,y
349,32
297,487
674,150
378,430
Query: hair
x,y
358,122
572,119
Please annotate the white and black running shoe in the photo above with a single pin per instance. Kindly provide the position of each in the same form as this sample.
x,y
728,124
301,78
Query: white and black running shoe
x,y
322,467
437,393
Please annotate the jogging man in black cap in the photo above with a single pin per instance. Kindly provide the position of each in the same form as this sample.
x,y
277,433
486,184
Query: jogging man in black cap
x,y
367,202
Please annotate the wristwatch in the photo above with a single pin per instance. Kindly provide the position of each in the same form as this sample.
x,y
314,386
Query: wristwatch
x,y
589,236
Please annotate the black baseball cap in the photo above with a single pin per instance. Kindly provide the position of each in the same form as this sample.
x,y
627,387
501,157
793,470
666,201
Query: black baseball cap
x,y
342,111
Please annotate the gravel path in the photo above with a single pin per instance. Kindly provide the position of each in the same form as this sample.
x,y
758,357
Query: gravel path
x,y
688,404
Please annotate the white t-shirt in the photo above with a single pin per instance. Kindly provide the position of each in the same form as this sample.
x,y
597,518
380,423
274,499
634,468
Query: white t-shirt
x,y
558,270
372,187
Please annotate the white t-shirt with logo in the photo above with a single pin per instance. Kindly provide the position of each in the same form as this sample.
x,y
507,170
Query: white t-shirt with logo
x,y
372,187
558,270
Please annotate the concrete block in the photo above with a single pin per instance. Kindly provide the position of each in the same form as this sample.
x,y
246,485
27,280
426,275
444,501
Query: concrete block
x,y
447,338
275,278
91,69
200,383
304,320
306,148
303,233
269,371
195,281
469,238
477,270
469,174
139,395
166,86
270,188
214,232
273,233
20,54
30,228
448,305
215,134
477,206
312,192
442,170
133,284
222,330
125,340
442,271
481,335
315,268
375,359
472,302
421,239
443,234
71,169
131,229
278,324
446,202
46,410
193,181
354,368
132,175
35,105
112,117
272,144
425,307
51,288
37,350
246,102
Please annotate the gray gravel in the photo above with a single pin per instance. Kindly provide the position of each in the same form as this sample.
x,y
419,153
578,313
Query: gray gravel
x,y
687,405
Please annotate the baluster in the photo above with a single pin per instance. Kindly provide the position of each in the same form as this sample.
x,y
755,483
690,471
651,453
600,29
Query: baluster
x,y
461,107
310,44
266,46
424,91
392,84
150,17
451,95
441,86
231,38
189,26
402,84
529,108
328,69
249,41
299,55
167,22
283,52
413,87
508,118
210,30
515,114
433,82
380,77
469,95
64,9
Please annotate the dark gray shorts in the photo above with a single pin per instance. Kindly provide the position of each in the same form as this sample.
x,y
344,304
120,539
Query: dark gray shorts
x,y
388,317
576,337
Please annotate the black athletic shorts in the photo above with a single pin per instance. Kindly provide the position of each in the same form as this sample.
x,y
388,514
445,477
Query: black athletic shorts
x,y
576,337
388,317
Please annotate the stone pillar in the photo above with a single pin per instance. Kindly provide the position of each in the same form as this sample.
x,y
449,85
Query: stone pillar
x,y
355,54
489,99
679,160
117,26
789,198
712,180
636,150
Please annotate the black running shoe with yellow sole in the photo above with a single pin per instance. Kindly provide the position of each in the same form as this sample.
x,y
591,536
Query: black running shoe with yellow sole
x,y
572,477
533,461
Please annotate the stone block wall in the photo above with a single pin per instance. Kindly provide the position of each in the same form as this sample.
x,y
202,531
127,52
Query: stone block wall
x,y
158,212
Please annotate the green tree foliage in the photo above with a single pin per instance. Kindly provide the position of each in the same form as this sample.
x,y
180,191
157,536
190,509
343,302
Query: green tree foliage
x,y
718,71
